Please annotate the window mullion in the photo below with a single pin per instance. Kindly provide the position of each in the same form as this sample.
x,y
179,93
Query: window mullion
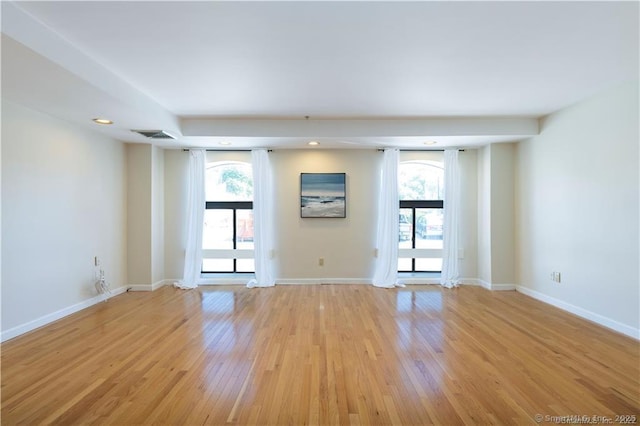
x,y
413,237
413,227
235,238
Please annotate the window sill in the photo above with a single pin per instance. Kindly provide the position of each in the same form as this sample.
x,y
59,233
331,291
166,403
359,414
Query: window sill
x,y
419,277
225,279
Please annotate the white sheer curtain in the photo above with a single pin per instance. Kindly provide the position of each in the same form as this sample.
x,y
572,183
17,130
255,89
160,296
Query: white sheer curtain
x,y
195,220
263,240
450,270
386,269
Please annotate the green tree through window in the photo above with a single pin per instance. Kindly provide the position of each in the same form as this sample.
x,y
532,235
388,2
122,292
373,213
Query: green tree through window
x,y
237,182
420,180
229,181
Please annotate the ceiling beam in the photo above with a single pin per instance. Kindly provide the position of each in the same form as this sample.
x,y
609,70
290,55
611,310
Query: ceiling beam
x,y
343,128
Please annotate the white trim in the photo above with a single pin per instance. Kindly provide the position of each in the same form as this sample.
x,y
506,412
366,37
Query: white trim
x,y
474,282
170,282
223,280
484,284
149,287
487,285
228,254
140,287
503,287
308,281
420,252
418,280
327,127
583,313
54,316
161,283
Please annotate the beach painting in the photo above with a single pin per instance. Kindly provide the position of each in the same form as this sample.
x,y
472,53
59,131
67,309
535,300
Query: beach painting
x,y
323,195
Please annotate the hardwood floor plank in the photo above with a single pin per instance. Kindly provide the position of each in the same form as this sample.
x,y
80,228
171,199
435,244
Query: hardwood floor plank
x,y
318,355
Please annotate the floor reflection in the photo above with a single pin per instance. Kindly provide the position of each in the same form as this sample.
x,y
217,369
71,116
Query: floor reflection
x,y
220,302
408,300
420,334
227,335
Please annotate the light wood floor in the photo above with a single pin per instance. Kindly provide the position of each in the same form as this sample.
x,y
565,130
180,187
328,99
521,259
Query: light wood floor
x,y
318,355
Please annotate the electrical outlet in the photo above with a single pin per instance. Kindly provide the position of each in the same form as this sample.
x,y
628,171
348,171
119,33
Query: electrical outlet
x,y
555,276
321,261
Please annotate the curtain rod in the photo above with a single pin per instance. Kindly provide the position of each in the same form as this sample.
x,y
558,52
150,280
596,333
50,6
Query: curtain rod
x,y
223,150
418,150
270,150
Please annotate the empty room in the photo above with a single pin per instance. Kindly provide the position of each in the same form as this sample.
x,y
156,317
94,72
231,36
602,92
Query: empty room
x,y
320,213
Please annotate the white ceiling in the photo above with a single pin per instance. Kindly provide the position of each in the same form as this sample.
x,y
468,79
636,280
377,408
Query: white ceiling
x,y
160,64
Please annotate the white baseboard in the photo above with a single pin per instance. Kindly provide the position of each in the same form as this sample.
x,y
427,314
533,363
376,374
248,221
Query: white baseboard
x,y
309,281
473,281
502,287
403,280
162,283
591,316
487,285
149,287
461,281
140,287
54,316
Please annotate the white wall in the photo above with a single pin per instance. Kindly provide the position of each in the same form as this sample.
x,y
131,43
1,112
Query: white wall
x,y
496,232
577,208
502,214
347,245
157,215
176,175
145,216
139,195
64,202
468,233
484,214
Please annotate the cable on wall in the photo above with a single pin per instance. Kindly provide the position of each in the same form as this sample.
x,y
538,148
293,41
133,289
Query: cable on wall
x,y
101,284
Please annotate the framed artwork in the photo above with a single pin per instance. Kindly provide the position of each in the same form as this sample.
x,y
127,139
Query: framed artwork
x,y
323,195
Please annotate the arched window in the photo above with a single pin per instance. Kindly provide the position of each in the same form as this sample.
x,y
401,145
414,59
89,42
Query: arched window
x,y
420,187
227,239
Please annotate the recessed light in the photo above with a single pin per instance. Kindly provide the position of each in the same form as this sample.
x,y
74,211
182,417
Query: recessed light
x,y
314,143
430,142
102,121
225,143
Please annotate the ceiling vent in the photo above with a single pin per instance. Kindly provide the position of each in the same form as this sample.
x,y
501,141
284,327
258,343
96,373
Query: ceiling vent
x,y
154,134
